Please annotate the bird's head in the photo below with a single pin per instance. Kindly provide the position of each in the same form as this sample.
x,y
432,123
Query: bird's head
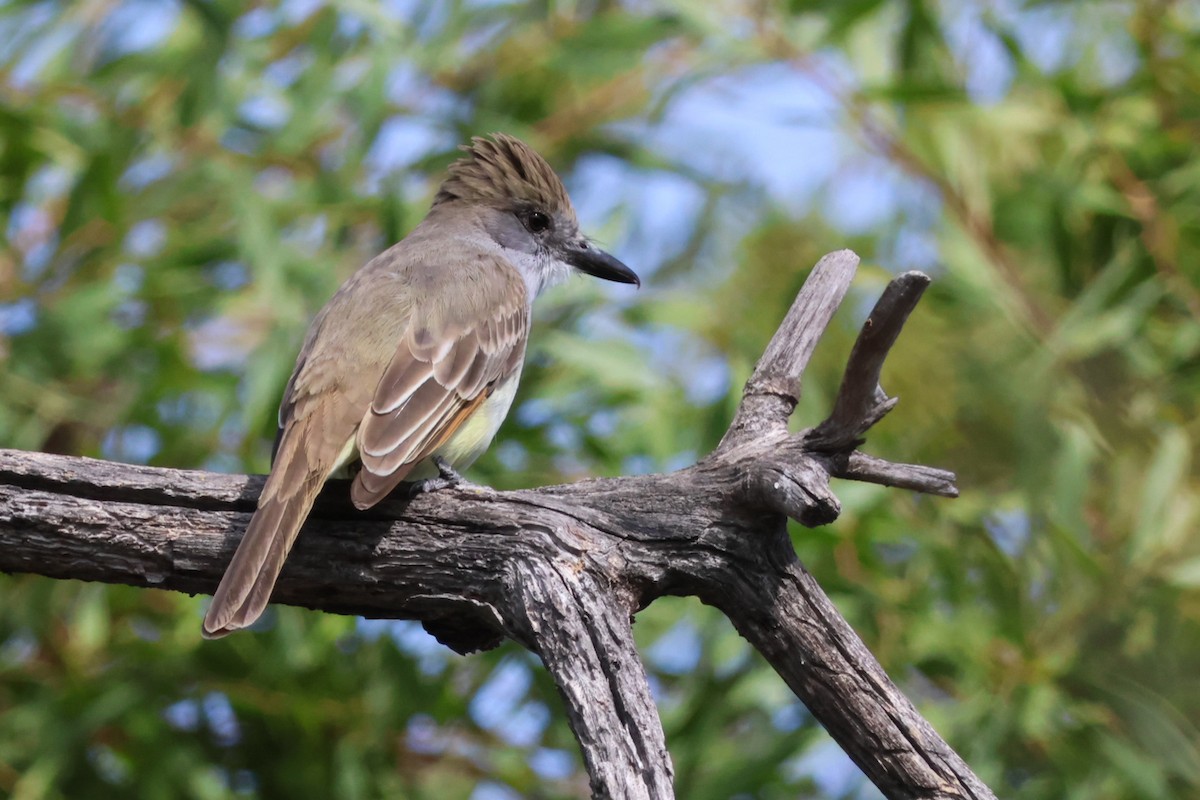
x,y
528,210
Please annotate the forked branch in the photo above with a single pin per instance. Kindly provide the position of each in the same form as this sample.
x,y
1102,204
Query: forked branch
x,y
561,569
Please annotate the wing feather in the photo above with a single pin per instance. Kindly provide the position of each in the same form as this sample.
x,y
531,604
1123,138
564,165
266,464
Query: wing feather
x,y
399,381
381,435
445,366
410,438
451,370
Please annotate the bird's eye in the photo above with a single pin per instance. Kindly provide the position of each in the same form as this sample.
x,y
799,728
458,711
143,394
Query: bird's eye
x,y
536,221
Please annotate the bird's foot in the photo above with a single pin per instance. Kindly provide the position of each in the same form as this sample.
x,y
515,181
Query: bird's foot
x,y
448,478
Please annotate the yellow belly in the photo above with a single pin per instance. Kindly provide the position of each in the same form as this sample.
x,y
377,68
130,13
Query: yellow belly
x,y
475,435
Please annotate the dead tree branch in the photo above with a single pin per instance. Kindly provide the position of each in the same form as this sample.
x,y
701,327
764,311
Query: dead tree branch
x,y
562,569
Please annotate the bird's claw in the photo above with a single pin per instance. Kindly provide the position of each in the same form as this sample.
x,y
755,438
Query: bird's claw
x,y
447,472
448,478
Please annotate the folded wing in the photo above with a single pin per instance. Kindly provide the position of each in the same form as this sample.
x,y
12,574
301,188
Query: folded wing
x,y
446,365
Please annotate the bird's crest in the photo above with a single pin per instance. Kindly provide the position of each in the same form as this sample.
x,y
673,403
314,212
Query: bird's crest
x,y
502,169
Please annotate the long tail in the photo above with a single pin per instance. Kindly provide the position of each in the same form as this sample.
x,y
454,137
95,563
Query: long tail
x,y
287,497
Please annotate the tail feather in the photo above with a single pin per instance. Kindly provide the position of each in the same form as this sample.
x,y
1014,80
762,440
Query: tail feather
x,y
246,587
287,498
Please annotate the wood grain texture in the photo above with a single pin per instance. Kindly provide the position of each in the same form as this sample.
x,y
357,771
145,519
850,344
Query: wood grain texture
x,y
771,394
561,569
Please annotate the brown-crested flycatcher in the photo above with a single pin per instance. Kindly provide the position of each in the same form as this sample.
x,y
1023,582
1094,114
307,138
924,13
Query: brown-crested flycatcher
x,y
412,366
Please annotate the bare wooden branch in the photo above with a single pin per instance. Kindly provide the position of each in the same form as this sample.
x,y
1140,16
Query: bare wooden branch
x,y
869,469
596,667
861,402
798,489
820,657
560,569
771,394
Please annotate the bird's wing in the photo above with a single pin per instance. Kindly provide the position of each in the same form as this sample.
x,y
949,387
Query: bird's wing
x,y
453,349
449,360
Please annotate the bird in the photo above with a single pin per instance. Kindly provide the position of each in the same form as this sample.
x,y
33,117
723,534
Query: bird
x,y
407,373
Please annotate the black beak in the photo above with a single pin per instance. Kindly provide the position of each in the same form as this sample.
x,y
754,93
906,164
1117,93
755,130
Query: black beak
x,y
588,258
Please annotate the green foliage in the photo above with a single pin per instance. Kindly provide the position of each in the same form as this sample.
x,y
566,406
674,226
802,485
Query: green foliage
x,y
183,185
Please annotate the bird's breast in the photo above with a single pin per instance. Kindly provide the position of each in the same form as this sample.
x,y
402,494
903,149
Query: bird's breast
x,y
475,435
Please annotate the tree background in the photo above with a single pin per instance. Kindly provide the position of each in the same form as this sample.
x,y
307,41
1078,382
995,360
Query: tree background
x,y
183,185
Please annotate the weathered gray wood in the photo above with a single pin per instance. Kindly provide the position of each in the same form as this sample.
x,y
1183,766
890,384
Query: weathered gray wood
x,y
930,480
797,629
582,633
771,394
560,569
861,401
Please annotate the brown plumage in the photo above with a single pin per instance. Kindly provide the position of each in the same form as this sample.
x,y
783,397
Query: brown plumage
x,y
418,354
501,169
